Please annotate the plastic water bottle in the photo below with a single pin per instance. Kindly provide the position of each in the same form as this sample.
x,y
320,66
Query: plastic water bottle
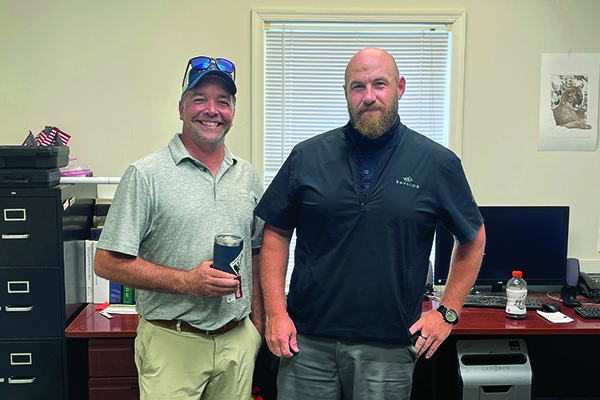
x,y
516,291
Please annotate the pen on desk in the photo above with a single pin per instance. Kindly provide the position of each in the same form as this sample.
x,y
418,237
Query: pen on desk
x,y
105,314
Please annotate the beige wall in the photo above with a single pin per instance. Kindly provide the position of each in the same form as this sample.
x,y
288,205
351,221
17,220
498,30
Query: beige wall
x,y
108,72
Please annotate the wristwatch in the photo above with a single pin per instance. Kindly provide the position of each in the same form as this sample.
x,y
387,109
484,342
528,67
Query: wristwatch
x,y
450,316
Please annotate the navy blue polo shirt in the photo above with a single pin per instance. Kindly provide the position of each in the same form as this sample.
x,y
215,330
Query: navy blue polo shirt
x,y
361,262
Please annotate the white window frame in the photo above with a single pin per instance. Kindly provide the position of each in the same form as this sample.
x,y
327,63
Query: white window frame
x,y
455,20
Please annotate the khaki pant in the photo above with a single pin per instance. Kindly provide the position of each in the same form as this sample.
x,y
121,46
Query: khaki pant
x,y
180,365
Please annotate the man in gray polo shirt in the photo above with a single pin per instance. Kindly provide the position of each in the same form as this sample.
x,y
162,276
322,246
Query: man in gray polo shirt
x,y
194,338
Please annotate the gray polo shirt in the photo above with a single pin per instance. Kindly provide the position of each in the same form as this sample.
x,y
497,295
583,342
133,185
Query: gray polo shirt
x,y
167,210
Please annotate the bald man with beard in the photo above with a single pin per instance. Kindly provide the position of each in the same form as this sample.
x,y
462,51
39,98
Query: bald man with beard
x,y
364,200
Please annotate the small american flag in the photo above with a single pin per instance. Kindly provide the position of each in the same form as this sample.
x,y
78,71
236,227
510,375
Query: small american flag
x,y
30,141
52,136
45,137
57,141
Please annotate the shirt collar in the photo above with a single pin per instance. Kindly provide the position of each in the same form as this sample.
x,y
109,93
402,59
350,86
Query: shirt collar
x,y
180,153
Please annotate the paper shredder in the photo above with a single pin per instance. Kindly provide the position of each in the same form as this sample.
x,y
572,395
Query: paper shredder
x,y
494,370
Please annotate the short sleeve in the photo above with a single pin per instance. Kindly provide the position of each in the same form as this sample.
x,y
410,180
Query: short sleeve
x,y
278,206
458,208
128,221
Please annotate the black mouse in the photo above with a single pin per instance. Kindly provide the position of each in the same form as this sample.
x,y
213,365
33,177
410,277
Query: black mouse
x,y
551,307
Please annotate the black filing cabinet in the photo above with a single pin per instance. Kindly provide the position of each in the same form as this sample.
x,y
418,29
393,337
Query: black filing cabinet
x,y
39,293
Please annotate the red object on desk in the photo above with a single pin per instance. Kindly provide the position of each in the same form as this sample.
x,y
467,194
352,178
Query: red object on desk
x,y
90,324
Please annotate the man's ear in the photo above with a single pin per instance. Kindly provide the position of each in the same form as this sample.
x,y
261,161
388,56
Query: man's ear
x,y
401,87
181,110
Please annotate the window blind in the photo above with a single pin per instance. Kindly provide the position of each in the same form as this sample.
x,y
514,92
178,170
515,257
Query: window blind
x,y
304,74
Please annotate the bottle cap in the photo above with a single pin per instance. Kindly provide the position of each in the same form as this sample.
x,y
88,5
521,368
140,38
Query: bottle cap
x,y
518,273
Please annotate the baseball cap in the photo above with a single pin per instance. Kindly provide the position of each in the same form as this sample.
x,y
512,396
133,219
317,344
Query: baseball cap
x,y
203,66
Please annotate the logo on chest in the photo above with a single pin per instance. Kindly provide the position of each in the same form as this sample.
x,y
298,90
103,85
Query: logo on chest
x,y
408,181
247,194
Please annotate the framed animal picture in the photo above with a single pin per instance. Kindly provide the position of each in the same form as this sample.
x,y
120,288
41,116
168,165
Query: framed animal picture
x,y
569,102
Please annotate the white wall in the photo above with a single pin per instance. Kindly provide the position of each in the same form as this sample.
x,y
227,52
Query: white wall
x,y
109,73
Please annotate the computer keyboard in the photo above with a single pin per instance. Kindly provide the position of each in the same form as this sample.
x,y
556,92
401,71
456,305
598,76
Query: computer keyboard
x,y
588,312
491,301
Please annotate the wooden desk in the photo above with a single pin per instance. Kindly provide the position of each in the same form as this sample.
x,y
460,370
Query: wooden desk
x,y
90,324
109,346
473,321
560,354
486,321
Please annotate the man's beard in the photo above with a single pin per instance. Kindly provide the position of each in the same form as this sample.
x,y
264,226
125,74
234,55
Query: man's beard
x,y
373,126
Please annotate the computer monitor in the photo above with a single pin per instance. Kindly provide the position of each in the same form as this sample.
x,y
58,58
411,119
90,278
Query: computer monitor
x,y
532,239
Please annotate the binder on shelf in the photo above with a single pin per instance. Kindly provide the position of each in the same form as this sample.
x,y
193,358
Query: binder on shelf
x,y
100,287
101,290
89,270
127,295
115,293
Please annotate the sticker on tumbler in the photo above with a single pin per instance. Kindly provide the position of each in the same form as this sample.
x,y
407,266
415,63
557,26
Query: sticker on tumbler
x,y
236,263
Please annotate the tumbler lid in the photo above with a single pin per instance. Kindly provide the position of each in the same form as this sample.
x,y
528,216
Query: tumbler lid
x,y
228,240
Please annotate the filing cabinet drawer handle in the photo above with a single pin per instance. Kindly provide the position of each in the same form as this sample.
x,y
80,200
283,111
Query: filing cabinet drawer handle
x,y
23,236
18,309
20,381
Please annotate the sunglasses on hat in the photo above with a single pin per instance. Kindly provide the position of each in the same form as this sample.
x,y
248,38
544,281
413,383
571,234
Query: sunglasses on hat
x,y
198,67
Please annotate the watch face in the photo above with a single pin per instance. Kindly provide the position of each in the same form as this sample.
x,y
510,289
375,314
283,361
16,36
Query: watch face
x,y
451,315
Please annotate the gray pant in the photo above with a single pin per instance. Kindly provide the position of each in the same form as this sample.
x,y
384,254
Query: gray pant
x,y
326,369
